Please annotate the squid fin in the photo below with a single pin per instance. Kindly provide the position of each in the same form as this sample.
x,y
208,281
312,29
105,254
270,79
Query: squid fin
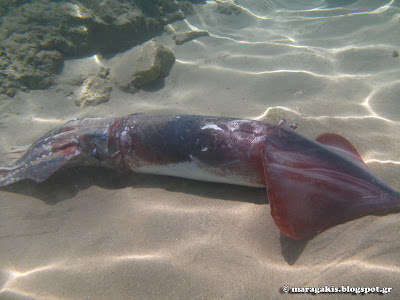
x,y
312,187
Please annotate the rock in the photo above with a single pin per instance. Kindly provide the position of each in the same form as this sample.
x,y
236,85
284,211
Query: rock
x,y
141,65
193,1
34,69
186,7
69,29
94,90
183,37
228,8
49,60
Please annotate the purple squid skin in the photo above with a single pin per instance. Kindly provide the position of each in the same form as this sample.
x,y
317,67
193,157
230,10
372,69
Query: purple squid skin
x,y
311,185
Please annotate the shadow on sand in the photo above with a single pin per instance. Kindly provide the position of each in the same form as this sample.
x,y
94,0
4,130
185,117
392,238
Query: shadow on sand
x,y
65,184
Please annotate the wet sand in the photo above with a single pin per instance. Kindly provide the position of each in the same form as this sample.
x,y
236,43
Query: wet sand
x,y
103,234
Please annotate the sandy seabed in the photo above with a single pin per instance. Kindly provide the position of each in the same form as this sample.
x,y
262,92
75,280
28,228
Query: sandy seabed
x,y
94,233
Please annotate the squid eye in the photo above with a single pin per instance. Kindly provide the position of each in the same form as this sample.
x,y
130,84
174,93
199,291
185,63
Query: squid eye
x,y
95,153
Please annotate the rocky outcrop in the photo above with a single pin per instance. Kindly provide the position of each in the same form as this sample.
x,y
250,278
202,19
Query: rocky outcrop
x,y
37,35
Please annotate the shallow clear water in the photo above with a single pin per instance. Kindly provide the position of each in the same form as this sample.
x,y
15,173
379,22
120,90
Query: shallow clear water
x,y
324,65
